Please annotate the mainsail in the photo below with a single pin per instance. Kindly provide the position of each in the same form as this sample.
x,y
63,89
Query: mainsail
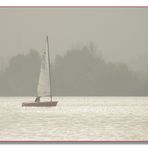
x,y
44,78
44,85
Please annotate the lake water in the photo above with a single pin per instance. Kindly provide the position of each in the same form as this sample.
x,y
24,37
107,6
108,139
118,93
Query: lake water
x,y
75,118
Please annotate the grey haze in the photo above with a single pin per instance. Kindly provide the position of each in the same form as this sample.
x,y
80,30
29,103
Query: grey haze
x,y
120,34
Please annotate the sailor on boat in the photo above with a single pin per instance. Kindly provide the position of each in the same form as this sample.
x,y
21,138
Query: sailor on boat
x,y
37,99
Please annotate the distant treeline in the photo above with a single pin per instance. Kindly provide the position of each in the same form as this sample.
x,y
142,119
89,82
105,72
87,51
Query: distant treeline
x,y
78,73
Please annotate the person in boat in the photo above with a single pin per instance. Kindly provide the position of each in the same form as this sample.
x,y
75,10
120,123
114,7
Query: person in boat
x,y
37,99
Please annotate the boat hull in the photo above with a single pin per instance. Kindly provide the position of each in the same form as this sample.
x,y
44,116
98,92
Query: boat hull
x,y
39,104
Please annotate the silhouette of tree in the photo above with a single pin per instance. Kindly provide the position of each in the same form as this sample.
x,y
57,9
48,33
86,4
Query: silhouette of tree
x,y
80,72
20,78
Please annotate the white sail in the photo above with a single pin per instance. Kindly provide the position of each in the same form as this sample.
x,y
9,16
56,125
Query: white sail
x,y
44,80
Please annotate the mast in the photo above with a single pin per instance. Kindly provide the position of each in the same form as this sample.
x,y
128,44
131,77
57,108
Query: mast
x,y
49,68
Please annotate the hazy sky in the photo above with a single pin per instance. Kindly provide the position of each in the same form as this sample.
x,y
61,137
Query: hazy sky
x,y
121,34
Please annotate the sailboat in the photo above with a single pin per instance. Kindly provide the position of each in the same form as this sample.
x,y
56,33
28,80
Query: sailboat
x,y
44,88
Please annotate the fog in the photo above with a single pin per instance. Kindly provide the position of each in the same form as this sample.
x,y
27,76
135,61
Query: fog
x,y
120,34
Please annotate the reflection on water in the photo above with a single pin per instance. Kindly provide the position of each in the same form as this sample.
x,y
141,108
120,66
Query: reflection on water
x,y
75,118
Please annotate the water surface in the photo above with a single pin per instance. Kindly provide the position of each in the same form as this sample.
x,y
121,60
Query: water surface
x,y
75,118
